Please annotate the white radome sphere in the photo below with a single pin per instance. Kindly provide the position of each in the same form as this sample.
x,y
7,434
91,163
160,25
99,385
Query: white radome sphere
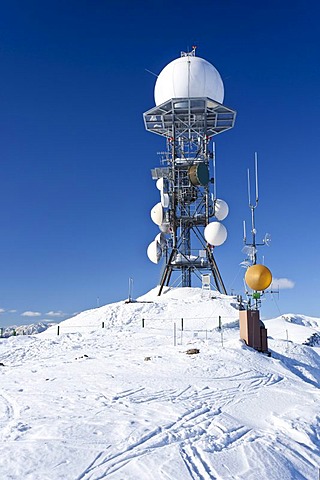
x,y
188,77
221,209
215,233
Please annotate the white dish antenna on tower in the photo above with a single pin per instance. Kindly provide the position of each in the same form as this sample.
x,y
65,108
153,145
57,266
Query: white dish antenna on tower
x,y
165,200
154,252
188,76
221,209
159,184
157,214
161,239
215,233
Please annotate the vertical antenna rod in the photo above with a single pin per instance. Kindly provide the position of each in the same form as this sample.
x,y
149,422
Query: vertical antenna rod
x,y
252,208
214,171
244,232
256,174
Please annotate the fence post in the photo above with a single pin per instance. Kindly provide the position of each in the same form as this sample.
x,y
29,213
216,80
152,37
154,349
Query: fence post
x,y
143,323
102,324
58,330
14,333
220,323
182,324
1,332
174,334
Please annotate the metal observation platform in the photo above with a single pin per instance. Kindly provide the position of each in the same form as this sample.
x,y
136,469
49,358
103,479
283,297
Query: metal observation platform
x,y
189,118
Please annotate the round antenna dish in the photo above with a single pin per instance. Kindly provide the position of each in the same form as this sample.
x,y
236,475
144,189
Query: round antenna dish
x,y
198,174
221,209
188,76
258,277
157,214
215,233
165,200
154,252
159,184
161,239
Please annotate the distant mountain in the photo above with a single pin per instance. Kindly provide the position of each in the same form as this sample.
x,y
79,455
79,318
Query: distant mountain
x,y
30,329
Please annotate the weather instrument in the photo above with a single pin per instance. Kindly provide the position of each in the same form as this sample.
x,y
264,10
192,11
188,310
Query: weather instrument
x,y
189,112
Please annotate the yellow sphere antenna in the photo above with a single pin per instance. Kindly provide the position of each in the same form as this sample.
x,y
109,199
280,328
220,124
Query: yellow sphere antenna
x,y
258,277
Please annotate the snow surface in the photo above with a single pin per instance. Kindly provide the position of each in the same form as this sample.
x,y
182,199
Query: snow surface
x,y
124,402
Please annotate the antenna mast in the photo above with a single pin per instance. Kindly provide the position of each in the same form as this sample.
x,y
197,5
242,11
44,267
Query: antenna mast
x,y
188,116
250,248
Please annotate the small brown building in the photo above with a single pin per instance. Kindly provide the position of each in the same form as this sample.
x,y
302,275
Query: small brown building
x,y
252,330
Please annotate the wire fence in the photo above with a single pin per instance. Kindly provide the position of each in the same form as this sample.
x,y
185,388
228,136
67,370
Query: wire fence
x,y
179,329
175,330
184,330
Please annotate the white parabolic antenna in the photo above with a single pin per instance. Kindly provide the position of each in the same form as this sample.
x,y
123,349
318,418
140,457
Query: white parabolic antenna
x,y
221,209
165,200
161,239
157,214
215,233
154,252
159,184
188,76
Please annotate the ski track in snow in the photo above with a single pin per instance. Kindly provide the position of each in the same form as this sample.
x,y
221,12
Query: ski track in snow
x,y
187,430
192,424
9,412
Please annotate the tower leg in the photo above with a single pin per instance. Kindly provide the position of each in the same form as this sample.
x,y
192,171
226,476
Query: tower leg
x,y
215,272
165,279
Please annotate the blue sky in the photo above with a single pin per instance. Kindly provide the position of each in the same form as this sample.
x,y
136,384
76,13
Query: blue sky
x,y
76,189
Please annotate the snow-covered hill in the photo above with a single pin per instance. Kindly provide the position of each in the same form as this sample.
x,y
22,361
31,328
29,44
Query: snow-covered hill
x,y
111,399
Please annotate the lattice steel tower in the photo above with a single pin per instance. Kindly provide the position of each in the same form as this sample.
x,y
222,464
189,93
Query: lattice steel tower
x,y
188,113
